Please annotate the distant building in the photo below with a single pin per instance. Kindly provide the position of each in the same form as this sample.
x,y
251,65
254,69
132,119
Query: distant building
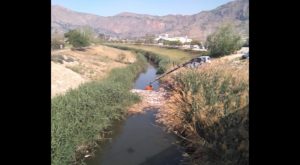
x,y
167,38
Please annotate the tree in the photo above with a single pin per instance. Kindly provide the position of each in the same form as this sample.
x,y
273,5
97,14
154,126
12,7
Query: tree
x,y
77,39
88,32
223,42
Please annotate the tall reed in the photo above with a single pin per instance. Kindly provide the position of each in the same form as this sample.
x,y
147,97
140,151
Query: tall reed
x,y
209,106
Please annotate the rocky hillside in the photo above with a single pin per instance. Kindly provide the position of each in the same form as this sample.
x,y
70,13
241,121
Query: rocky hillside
x,y
196,26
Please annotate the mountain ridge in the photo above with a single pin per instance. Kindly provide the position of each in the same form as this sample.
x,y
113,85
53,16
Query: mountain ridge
x,y
129,25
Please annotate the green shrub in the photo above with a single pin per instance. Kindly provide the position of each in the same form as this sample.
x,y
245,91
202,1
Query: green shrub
x,y
223,42
77,39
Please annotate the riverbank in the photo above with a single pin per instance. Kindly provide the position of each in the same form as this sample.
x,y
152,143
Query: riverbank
x,y
80,117
149,100
138,139
207,108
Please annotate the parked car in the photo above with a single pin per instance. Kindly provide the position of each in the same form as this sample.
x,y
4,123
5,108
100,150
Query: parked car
x,y
198,61
205,59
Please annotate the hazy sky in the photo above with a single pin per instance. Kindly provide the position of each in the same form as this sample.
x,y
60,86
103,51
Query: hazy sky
x,y
152,7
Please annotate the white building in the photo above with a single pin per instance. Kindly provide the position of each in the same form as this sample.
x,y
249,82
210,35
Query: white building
x,y
166,37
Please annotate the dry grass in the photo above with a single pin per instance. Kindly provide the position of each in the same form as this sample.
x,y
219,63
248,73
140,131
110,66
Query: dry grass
x,y
94,63
100,59
77,68
208,107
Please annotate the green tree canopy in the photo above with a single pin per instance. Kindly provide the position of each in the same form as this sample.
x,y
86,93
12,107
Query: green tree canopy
x,y
223,42
77,39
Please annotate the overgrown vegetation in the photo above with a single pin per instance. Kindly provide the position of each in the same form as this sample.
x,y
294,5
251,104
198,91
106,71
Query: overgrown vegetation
x,y
77,39
208,107
92,35
162,57
79,118
224,41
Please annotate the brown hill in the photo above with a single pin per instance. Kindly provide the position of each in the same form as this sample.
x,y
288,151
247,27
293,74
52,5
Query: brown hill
x,y
129,25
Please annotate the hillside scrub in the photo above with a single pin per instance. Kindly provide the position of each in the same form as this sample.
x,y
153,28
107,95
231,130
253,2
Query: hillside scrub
x,y
80,117
208,108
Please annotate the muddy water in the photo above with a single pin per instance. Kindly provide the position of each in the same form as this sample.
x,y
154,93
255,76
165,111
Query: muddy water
x,y
138,140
